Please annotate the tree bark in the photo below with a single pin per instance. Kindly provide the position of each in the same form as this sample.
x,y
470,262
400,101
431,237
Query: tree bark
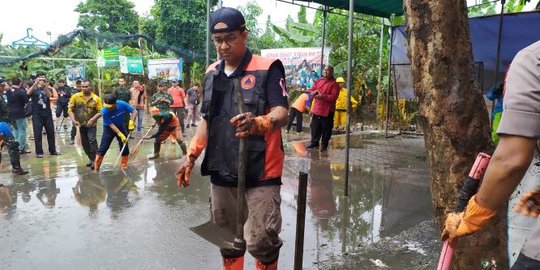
x,y
453,116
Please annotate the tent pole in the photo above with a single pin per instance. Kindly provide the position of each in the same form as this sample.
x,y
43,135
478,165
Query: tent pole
x,y
501,16
349,87
497,57
389,77
379,79
325,15
207,33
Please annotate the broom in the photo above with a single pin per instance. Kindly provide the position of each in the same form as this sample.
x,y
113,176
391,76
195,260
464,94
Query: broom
x,y
135,150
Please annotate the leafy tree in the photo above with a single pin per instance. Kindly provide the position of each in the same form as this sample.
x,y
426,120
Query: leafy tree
x,y
113,16
488,7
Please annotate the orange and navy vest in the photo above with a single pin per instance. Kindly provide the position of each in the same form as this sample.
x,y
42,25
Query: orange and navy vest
x,y
265,153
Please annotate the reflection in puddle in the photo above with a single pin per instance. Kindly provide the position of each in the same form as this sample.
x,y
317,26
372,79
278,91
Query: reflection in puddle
x,y
92,217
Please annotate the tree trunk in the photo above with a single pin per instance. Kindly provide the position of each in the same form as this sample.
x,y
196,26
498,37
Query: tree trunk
x,y
453,116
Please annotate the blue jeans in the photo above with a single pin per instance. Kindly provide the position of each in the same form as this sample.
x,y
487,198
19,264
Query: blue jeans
x,y
140,116
20,132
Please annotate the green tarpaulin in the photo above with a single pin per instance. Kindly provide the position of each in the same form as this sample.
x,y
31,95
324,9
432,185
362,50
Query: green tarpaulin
x,y
381,8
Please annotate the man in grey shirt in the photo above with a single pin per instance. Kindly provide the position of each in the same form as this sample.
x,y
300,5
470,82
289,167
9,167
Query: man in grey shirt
x,y
519,131
193,96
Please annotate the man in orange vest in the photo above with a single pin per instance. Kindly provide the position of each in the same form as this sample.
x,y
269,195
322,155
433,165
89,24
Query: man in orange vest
x,y
262,82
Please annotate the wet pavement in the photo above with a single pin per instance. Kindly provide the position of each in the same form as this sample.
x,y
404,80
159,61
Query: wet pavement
x,y
62,216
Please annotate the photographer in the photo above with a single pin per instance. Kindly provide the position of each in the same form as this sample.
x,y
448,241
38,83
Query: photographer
x,y
42,115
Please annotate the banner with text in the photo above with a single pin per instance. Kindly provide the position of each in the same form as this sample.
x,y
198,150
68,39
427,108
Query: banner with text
x,y
302,65
168,68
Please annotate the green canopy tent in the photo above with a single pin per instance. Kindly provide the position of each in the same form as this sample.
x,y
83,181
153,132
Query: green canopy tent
x,y
379,8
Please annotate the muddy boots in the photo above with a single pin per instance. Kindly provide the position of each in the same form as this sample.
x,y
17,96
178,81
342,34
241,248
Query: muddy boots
x,y
14,157
157,148
183,147
233,263
124,162
97,163
261,266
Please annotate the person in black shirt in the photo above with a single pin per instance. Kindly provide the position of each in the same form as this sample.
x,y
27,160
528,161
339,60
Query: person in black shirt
x,y
64,94
17,99
42,114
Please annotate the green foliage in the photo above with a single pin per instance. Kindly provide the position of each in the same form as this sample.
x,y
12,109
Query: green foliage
x,y
300,33
365,54
489,7
113,16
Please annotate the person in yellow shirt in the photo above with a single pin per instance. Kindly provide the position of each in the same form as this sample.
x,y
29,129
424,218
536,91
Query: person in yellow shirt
x,y
300,105
340,117
84,109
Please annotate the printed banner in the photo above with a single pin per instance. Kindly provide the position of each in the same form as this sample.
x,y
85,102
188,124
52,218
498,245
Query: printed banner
x,y
302,65
108,58
168,69
131,65
74,73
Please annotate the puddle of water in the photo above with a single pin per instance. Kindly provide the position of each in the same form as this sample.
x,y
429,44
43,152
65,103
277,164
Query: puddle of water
x,y
91,219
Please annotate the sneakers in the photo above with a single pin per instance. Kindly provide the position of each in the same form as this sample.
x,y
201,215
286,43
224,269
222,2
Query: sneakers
x,y
193,125
39,155
72,142
55,154
23,152
312,146
89,163
19,171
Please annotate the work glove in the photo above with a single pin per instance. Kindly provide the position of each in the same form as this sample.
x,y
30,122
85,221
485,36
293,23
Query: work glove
x,y
196,147
529,204
466,223
248,124
122,137
131,125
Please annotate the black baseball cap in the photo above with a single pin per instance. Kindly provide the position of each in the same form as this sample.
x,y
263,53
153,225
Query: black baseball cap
x,y
229,16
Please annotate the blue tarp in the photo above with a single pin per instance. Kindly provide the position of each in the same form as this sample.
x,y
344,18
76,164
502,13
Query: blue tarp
x,y
519,31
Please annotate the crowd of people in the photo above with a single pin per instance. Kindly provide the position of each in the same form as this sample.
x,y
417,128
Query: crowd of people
x,y
51,106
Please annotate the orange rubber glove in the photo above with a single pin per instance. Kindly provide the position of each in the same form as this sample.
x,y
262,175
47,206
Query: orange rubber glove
x,y
195,149
469,222
248,124
529,204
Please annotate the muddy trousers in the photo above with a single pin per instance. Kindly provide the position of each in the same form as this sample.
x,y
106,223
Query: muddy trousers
x,y
13,150
525,263
89,141
263,219
295,114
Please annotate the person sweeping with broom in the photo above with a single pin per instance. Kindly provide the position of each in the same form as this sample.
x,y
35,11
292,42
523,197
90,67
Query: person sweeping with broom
x,y
168,125
114,116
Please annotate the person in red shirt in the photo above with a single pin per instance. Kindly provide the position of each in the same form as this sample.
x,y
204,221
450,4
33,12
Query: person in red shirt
x,y
179,102
325,92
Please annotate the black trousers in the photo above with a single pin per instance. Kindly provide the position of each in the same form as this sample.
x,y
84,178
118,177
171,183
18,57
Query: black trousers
x,y
13,150
319,126
89,141
525,263
328,131
73,132
108,136
295,114
40,121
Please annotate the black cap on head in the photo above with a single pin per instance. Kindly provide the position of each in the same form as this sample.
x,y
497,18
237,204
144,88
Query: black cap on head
x,y
231,17
109,99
